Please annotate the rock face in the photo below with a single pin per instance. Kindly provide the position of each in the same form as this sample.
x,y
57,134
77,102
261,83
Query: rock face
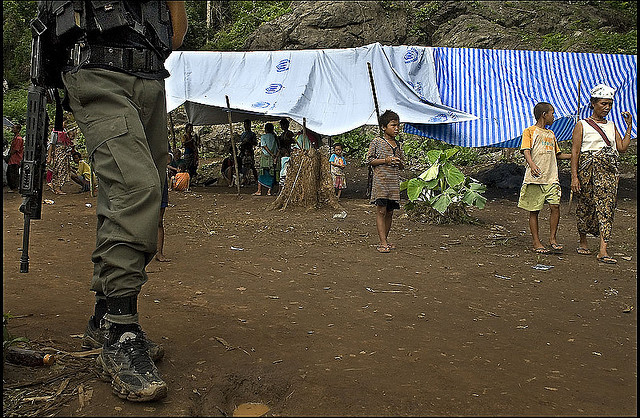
x,y
331,24
547,25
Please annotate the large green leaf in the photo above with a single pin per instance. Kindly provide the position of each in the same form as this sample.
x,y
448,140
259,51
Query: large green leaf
x,y
472,198
450,152
431,184
403,185
431,173
441,202
478,187
433,155
452,174
414,188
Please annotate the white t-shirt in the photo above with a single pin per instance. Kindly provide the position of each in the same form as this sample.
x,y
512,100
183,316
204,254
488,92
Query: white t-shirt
x,y
592,140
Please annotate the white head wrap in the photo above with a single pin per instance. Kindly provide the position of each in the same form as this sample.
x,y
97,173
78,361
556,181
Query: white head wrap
x,y
602,91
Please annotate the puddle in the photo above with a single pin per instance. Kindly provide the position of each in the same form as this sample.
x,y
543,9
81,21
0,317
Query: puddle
x,y
250,410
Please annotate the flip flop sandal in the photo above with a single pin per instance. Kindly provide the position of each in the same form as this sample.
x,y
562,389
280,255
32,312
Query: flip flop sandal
x,y
557,247
607,260
542,250
391,246
583,251
383,249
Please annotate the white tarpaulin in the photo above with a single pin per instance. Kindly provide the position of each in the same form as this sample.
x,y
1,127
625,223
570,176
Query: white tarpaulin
x,y
329,87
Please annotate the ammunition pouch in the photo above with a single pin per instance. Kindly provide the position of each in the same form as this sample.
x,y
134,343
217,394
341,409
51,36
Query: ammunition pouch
x,y
78,28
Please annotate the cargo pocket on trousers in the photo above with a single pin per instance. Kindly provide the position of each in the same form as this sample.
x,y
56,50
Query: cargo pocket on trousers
x,y
117,156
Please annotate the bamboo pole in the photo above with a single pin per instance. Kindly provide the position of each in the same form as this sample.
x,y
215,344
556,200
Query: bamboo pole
x,y
233,145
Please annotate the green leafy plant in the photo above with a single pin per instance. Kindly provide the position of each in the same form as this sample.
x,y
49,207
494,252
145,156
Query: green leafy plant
x,y
443,184
616,43
14,105
416,148
7,338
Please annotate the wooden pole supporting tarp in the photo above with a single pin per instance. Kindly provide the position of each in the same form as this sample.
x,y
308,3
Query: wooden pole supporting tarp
x,y
233,144
173,132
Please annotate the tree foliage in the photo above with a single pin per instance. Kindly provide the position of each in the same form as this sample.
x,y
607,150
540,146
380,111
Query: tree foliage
x,y
16,40
230,22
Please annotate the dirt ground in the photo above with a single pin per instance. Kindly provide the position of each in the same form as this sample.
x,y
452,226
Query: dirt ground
x,y
296,310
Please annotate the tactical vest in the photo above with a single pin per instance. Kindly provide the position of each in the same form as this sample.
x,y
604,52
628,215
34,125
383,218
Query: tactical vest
x,y
133,36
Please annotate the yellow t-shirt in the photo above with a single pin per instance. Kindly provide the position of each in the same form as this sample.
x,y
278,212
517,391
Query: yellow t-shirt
x,y
84,170
544,148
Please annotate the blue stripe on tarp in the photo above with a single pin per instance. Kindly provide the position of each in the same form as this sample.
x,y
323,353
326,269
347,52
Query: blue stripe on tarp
x,y
501,87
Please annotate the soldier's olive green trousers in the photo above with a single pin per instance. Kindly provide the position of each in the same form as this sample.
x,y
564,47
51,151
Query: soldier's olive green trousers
x,y
124,122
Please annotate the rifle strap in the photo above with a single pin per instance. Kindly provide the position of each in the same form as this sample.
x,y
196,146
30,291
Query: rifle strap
x,y
598,129
58,124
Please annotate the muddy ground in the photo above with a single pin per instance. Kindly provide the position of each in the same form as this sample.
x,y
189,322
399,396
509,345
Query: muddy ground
x,y
296,310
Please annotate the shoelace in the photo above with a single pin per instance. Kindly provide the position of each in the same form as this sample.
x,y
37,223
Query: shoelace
x,y
136,350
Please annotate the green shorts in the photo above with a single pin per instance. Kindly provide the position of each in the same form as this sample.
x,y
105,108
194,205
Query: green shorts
x,y
533,196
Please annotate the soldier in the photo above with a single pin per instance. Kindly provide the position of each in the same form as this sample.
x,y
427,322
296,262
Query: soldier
x,y
114,79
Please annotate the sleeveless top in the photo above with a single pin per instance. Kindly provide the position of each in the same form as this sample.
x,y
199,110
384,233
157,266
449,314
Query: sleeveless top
x,y
592,140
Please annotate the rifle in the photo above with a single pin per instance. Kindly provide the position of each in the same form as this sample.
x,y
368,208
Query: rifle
x,y
33,163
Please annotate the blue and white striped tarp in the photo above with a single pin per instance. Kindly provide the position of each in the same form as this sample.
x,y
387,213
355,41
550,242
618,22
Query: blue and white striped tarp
x,y
501,87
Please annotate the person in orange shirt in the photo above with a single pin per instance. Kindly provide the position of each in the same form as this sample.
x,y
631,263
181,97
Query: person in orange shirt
x,y
182,179
541,183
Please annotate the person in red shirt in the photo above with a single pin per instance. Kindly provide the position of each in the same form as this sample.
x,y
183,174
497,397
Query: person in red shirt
x,y
15,157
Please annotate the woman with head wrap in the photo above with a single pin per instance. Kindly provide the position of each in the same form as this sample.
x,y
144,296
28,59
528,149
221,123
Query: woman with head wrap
x,y
594,170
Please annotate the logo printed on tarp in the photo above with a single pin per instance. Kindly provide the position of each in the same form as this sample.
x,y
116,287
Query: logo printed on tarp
x,y
439,118
273,88
411,55
417,87
261,104
283,65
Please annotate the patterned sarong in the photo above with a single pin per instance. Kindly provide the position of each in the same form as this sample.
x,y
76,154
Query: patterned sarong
x,y
597,173
60,166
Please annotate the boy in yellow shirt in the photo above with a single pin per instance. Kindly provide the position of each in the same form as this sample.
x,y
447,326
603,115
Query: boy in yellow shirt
x,y
541,183
82,176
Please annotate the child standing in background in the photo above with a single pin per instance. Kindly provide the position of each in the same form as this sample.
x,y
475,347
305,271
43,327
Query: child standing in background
x,y
541,183
284,163
338,164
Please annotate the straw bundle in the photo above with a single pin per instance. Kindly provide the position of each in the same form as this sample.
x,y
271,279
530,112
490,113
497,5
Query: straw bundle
x,y
308,183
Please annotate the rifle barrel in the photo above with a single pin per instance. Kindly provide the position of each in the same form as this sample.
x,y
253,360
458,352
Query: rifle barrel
x,y
24,259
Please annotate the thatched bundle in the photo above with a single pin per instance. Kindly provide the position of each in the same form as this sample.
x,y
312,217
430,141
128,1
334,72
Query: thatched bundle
x,y
308,183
